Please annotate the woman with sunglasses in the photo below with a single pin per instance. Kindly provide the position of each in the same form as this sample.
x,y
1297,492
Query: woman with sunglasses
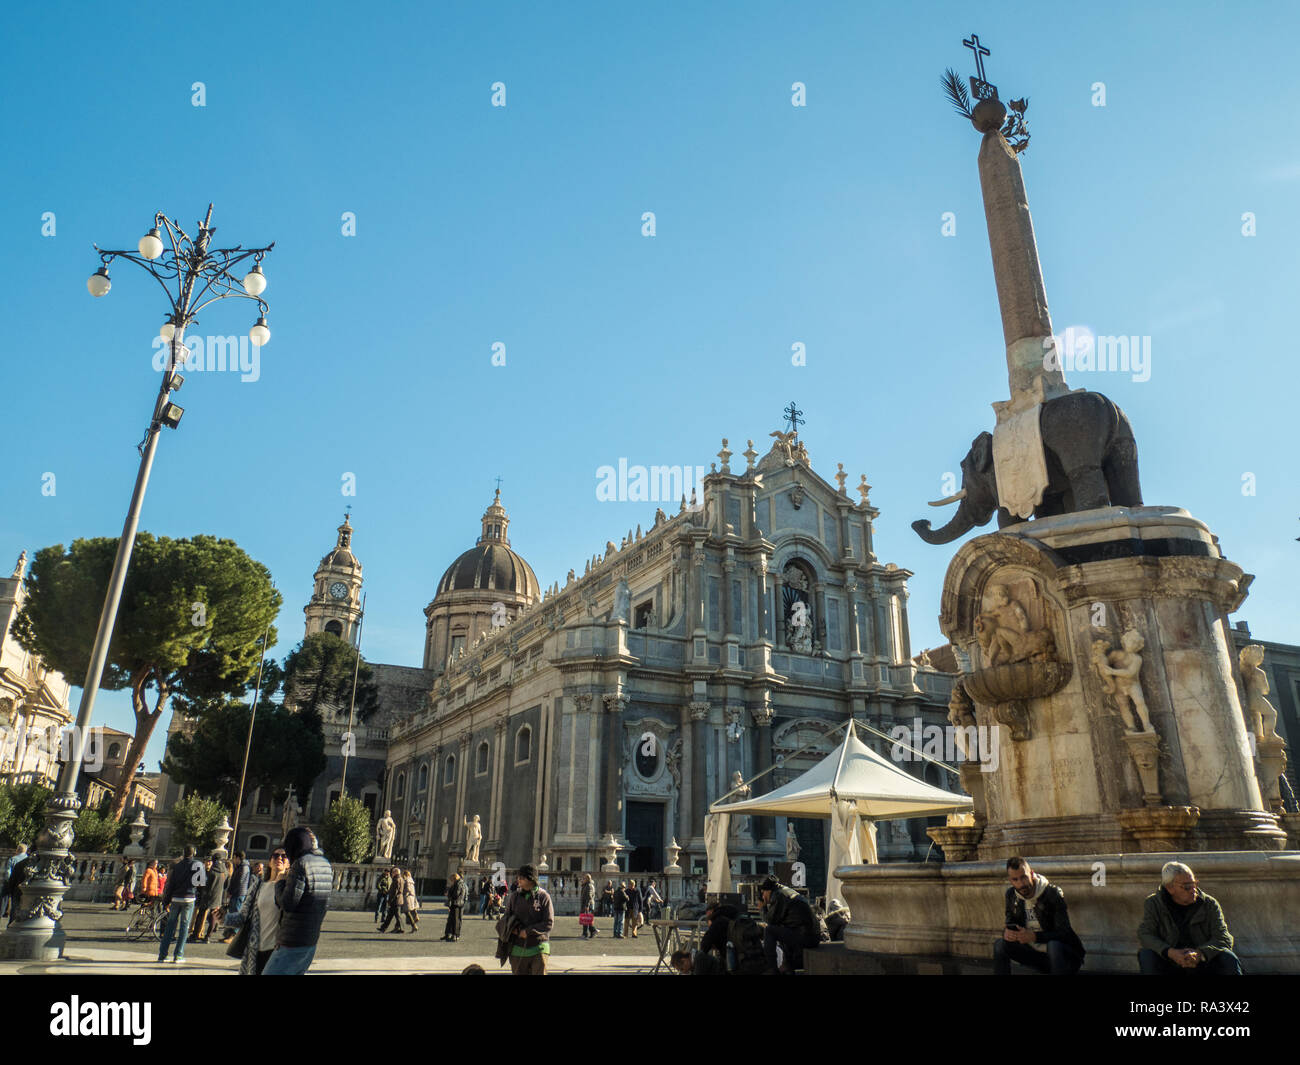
x,y
263,917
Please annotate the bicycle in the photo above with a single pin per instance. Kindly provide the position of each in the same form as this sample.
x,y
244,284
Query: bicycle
x,y
146,920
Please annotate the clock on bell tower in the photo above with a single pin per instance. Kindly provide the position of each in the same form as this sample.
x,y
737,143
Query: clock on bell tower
x,y
336,594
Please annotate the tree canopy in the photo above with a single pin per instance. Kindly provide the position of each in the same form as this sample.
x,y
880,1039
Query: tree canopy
x,y
195,820
22,813
318,677
345,831
190,623
288,749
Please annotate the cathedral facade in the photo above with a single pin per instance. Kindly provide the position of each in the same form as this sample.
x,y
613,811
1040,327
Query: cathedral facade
x,y
720,646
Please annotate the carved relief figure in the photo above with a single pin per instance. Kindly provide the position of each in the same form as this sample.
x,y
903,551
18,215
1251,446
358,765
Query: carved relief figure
x,y
961,715
473,838
1119,676
1260,713
674,761
1004,635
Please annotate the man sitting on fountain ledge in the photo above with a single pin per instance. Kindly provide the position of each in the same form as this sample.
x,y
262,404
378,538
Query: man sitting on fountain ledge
x,y
1037,933
1183,930
790,922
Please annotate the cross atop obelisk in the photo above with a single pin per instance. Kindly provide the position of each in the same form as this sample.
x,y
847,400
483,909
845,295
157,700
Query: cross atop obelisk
x,y
980,52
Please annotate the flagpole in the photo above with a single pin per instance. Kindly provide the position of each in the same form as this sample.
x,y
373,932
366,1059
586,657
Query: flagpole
x,y
248,744
356,668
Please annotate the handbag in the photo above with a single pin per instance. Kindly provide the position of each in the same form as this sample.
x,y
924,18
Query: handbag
x,y
586,919
240,943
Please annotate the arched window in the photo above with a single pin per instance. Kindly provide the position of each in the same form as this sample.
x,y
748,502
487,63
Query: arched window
x,y
114,750
481,759
450,775
258,843
400,789
523,745
423,778
335,627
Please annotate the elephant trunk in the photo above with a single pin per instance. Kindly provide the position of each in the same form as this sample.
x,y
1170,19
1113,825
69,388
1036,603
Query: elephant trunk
x,y
960,523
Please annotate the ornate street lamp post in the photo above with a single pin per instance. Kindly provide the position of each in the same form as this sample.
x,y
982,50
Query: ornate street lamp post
x,y
193,274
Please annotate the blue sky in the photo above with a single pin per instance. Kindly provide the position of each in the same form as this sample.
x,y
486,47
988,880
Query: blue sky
x,y
521,225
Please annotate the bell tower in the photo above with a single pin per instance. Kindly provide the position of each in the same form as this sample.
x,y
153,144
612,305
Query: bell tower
x,y
335,604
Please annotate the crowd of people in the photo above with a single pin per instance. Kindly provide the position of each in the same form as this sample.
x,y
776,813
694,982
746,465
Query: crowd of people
x,y
628,902
270,917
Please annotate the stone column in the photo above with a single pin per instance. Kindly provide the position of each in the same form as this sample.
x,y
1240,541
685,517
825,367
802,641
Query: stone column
x,y
851,591
462,752
822,631
592,784
728,568
697,595
884,637
699,712
615,704
764,827
431,802
500,727
685,803
760,591
903,628
778,609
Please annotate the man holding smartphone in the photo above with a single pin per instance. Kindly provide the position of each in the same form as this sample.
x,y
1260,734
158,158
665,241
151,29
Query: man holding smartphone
x,y
1037,933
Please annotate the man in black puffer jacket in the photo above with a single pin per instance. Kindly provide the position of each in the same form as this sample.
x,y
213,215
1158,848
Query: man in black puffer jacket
x,y
303,897
790,922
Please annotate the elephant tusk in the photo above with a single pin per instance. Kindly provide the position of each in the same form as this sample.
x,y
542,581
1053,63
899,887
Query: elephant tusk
x,y
949,499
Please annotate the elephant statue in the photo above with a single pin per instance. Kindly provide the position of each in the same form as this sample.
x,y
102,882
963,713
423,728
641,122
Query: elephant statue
x,y
1091,462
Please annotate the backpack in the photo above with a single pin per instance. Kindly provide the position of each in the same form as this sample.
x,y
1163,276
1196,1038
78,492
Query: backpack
x,y
745,939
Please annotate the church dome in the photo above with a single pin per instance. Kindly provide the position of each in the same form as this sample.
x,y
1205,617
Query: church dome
x,y
490,565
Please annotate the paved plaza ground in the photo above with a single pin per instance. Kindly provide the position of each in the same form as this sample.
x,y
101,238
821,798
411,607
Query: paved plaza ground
x,y
349,944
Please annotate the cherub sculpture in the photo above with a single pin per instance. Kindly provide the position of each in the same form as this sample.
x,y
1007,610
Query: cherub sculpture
x,y
1260,713
1119,676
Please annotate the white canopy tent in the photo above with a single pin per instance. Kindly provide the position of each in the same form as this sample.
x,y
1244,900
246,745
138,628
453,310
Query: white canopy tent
x,y
854,787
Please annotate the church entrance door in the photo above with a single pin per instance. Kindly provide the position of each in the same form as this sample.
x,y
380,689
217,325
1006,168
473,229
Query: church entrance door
x,y
645,832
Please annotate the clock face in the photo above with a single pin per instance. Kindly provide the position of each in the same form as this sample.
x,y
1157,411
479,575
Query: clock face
x,y
339,590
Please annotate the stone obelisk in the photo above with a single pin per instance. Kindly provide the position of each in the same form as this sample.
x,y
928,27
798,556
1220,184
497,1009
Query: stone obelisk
x,y
1033,364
